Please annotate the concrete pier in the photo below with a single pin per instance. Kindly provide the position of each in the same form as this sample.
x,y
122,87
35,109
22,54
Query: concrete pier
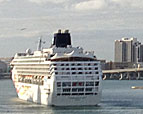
x,y
123,74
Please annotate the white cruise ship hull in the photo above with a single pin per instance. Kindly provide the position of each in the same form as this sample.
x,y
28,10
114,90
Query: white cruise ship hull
x,y
76,100
61,89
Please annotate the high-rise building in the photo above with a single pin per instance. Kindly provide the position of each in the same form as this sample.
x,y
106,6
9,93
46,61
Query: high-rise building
x,y
138,55
120,55
128,50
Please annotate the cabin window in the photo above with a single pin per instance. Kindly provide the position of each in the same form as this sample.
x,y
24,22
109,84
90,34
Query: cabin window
x,y
74,89
64,84
89,64
73,72
96,83
78,64
79,72
88,89
89,68
67,64
54,64
65,93
66,90
95,64
77,89
58,84
74,83
79,68
81,83
96,72
89,83
67,69
77,83
80,89
96,68
62,64
55,68
72,68
72,64
90,72
88,93
81,93
74,93
58,94
56,72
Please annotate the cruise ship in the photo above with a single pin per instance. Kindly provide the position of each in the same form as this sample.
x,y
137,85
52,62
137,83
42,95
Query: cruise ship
x,y
61,75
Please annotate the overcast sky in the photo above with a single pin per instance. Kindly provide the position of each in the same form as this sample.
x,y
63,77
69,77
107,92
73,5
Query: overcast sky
x,y
94,24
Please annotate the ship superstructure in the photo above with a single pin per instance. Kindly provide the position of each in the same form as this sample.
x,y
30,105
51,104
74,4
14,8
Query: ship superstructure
x,y
61,75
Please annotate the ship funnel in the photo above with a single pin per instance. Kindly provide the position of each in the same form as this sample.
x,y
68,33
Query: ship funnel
x,y
62,39
59,31
66,31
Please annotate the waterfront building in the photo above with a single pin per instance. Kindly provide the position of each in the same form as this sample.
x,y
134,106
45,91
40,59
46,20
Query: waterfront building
x,y
3,66
6,61
128,50
138,55
120,51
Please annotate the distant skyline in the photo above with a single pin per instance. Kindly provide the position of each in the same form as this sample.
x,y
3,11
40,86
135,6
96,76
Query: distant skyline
x,y
94,24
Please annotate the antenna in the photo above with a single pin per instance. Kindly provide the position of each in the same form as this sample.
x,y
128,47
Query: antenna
x,y
39,46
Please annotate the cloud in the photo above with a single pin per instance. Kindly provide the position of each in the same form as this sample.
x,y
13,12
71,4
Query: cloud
x,y
108,4
46,1
129,3
91,5
4,1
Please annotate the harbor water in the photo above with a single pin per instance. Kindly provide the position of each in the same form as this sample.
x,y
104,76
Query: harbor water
x,y
117,98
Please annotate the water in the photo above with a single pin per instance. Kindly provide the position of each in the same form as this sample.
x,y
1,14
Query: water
x,y
117,98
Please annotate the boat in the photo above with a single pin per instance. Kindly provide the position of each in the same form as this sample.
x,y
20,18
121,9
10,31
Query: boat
x,y
137,87
61,75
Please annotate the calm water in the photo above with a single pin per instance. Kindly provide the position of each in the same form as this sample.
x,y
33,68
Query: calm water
x,y
117,98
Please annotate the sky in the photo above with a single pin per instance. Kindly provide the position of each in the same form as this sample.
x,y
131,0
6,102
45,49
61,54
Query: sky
x,y
93,24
